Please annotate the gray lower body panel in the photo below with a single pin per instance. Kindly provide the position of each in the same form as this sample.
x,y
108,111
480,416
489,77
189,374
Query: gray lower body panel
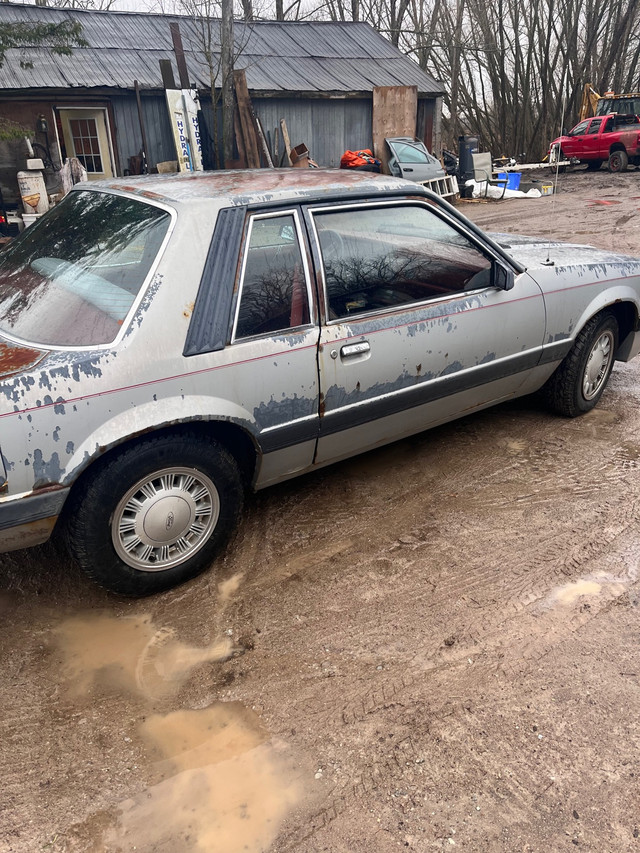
x,y
29,520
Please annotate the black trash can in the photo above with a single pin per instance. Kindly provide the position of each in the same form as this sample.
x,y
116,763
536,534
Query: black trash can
x,y
467,145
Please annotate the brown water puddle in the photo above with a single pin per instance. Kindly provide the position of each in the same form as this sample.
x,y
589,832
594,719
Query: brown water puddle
x,y
129,653
217,782
224,788
592,585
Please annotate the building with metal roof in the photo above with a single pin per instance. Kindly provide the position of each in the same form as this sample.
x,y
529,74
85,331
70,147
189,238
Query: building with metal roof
x,y
317,75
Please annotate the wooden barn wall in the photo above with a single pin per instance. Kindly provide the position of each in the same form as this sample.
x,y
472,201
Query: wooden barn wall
x,y
327,126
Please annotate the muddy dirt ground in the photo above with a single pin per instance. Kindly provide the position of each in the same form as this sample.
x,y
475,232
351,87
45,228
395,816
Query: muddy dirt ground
x,y
435,646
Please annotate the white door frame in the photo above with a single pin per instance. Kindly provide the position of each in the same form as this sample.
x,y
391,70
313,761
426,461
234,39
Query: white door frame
x,y
95,108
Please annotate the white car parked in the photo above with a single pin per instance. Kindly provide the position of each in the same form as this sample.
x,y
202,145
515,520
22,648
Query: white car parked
x,y
167,343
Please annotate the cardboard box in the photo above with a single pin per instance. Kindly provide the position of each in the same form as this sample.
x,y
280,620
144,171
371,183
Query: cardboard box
x,y
298,154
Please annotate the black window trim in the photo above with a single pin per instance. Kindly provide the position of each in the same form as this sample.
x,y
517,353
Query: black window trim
x,y
209,327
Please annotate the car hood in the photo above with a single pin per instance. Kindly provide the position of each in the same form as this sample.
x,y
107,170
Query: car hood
x,y
16,358
559,140
536,253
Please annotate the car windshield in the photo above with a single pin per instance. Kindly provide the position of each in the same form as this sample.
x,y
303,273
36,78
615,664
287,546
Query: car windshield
x,y
71,279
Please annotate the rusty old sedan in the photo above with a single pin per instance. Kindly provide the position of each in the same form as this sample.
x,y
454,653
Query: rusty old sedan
x,y
168,343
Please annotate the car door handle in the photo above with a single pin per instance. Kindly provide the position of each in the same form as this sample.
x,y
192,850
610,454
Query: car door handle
x,y
355,349
407,170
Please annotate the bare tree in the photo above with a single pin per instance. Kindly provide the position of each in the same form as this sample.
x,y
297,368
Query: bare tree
x,y
514,70
94,5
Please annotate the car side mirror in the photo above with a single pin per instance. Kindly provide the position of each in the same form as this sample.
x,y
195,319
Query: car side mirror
x,y
503,277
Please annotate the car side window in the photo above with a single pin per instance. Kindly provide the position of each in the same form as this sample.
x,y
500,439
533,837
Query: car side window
x,y
579,129
273,293
409,153
594,127
383,257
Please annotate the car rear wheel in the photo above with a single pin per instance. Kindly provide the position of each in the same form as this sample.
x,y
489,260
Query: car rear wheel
x,y
155,514
618,161
579,382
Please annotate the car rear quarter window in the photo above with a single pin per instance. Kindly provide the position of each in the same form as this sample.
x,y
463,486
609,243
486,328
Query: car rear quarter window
x,y
71,279
377,258
273,294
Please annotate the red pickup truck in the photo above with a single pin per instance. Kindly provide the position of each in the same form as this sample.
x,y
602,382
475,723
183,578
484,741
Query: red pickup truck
x,y
614,138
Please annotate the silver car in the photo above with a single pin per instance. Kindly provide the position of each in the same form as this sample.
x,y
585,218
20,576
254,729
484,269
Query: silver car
x,y
168,343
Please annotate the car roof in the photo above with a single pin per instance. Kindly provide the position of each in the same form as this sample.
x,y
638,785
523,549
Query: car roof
x,y
251,186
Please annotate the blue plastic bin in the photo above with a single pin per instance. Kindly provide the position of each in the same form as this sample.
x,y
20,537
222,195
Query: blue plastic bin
x,y
512,178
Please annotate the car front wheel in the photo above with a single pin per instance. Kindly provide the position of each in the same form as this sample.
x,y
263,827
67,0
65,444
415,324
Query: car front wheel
x,y
155,513
579,382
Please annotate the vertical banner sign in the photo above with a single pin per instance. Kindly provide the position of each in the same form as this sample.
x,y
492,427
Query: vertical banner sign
x,y
192,105
183,109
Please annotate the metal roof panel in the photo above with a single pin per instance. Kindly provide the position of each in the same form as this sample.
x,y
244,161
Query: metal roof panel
x,y
309,56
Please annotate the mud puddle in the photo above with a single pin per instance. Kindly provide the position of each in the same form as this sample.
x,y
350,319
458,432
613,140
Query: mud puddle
x,y
224,788
598,584
216,780
129,653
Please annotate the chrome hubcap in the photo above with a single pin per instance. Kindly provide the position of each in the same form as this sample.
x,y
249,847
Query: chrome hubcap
x,y
598,365
165,518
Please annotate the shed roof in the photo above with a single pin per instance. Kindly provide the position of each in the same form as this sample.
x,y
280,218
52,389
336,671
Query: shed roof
x,y
279,57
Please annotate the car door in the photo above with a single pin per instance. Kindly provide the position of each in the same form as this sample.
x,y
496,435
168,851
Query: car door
x,y
411,160
573,142
608,126
416,330
592,139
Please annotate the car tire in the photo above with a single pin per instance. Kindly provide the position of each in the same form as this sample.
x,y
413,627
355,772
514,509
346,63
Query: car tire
x,y
154,514
594,165
580,380
618,161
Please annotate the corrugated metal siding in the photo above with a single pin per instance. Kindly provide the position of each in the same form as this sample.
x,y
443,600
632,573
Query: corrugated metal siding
x,y
327,127
288,57
157,126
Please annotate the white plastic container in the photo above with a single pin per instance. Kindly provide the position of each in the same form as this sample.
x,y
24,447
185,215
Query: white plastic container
x,y
33,192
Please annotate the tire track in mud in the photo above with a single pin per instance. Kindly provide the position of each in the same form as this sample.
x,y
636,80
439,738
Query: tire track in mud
x,y
525,582
539,636
519,790
513,585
